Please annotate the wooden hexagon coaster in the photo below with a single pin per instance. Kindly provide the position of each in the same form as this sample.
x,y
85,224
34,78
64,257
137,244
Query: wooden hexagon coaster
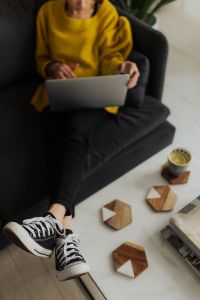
x,y
117,214
181,179
130,259
161,198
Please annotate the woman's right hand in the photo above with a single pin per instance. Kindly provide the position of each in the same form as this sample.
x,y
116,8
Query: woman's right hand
x,y
61,71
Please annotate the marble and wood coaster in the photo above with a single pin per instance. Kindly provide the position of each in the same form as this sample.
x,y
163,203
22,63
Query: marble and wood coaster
x,y
181,179
130,259
161,198
117,214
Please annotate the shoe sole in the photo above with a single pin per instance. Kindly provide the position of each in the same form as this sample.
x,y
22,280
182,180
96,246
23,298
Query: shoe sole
x,y
73,271
20,237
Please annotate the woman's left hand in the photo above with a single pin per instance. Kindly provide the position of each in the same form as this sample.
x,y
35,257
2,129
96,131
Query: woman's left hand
x,y
129,67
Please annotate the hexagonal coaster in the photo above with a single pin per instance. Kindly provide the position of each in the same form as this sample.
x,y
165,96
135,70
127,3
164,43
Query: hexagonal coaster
x,y
130,259
181,179
161,198
117,214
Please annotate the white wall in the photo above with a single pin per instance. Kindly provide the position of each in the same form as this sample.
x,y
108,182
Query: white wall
x,y
189,7
192,7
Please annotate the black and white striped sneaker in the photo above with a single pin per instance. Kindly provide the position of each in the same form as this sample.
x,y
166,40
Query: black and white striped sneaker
x,y
36,235
70,263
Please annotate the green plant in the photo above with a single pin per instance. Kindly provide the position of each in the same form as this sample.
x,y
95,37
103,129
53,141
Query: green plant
x,y
142,9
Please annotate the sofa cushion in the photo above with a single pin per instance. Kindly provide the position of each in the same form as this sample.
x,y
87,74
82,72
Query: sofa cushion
x,y
16,113
17,40
126,128
22,150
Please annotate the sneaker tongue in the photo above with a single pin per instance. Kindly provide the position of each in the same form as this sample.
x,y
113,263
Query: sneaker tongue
x,y
59,226
67,231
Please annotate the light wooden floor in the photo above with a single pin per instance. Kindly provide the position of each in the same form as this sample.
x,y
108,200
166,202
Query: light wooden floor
x,y
25,277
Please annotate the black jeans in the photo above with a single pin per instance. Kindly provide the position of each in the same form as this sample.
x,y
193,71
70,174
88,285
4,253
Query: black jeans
x,y
69,138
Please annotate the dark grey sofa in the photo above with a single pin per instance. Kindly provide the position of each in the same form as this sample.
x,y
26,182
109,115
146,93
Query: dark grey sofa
x,y
135,135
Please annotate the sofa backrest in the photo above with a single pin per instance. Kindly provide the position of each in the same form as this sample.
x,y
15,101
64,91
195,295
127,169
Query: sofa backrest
x,y
17,40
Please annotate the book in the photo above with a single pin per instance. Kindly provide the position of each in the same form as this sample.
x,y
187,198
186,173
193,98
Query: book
x,y
183,233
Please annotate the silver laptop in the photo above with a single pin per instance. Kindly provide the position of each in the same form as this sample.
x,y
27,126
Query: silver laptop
x,y
87,92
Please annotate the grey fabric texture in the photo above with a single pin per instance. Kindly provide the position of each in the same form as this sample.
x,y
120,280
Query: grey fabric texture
x,y
17,41
125,128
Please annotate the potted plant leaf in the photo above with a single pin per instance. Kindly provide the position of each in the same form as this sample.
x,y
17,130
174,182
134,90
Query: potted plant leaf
x,y
142,9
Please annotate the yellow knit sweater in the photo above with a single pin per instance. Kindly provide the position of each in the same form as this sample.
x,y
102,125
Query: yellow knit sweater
x,y
99,44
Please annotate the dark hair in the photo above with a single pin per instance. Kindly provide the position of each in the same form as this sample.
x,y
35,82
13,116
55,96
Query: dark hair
x,y
97,5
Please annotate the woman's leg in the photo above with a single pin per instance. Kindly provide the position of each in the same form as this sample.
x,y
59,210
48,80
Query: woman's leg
x,y
59,211
136,96
77,130
67,221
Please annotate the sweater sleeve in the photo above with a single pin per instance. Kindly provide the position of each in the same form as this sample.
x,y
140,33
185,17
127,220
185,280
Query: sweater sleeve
x,y
42,54
115,45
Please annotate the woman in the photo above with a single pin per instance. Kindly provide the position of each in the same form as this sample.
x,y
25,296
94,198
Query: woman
x,y
75,38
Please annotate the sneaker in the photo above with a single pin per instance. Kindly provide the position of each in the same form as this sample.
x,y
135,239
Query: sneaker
x,y
70,263
37,235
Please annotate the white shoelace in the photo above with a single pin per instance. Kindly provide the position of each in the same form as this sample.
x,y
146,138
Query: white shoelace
x,y
62,250
34,224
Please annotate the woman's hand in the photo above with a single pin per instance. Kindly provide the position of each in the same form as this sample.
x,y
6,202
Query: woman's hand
x,y
128,67
61,71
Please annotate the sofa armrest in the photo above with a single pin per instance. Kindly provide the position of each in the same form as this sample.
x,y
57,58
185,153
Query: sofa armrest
x,y
154,45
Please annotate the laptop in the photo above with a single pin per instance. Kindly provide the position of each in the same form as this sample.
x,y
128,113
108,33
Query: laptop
x,y
87,92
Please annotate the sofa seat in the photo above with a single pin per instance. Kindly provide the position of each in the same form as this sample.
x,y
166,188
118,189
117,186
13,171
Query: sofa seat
x,y
22,150
122,130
